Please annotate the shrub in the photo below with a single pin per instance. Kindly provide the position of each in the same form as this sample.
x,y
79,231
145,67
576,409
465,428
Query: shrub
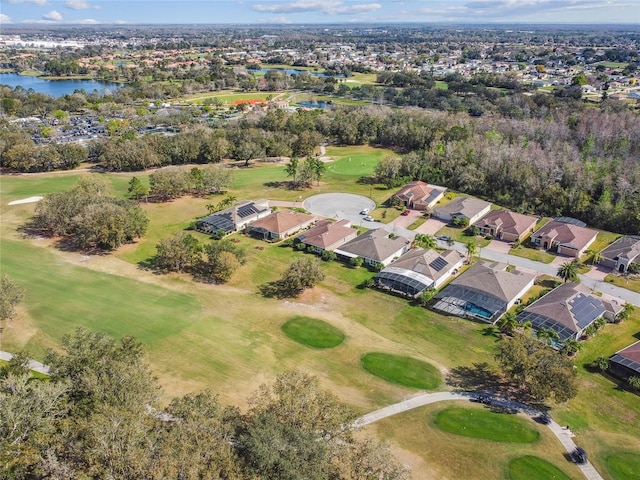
x,y
328,256
356,262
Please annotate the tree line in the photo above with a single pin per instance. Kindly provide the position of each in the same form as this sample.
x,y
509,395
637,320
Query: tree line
x,y
98,415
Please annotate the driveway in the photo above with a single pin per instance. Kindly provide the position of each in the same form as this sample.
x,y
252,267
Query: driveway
x,y
404,222
431,226
598,272
499,246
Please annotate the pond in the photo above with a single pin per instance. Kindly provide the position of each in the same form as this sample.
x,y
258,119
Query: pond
x,y
55,88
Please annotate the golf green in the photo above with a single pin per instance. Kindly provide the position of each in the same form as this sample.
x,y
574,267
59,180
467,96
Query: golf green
x,y
312,332
534,468
624,466
401,370
477,423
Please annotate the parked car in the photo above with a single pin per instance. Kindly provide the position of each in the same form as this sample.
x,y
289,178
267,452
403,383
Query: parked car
x,y
369,218
406,213
444,238
544,418
364,211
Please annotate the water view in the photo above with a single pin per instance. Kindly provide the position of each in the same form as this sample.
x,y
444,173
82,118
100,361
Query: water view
x,y
55,88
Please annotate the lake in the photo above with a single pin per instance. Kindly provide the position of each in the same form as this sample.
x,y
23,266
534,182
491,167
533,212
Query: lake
x,y
55,88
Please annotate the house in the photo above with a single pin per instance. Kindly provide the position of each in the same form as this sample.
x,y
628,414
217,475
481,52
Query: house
x,y
234,218
622,253
419,195
626,362
280,225
418,270
375,247
484,292
568,310
466,208
506,225
327,235
565,238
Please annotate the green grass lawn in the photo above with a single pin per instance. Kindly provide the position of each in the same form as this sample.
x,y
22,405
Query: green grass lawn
x,y
312,332
624,466
535,254
401,370
534,468
476,423
630,282
459,235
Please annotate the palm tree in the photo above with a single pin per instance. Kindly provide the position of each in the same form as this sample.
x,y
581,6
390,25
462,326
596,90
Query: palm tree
x,y
571,346
508,323
547,335
568,271
472,248
626,312
425,241
596,258
525,326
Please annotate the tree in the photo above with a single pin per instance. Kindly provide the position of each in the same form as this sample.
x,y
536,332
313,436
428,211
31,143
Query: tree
x,y
388,170
626,312
508,323
425,241
11,294
356,262
634,382
571,346
168,183
425,297
222,259
291,169
472,248
596,258
178,253
547,335
568,271
601,363
210,179
136,189
538,370
302,273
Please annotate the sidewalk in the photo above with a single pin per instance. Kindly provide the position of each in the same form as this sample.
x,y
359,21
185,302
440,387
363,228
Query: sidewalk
x,y
33,364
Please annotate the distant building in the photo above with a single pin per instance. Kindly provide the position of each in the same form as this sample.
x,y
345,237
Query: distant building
x,y
565,238
280,225
327,235
506,225
419,195
626,362
234,218
375,247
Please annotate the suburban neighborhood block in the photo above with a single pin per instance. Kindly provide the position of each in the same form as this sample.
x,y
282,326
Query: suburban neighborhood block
x,y
419,269
484,292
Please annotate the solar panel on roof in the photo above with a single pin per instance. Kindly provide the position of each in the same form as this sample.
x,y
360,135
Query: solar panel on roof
x,y
246,210
438,264
571,220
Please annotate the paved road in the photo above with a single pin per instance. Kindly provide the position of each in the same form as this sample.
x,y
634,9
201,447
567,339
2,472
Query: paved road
x,y
33,364
564,435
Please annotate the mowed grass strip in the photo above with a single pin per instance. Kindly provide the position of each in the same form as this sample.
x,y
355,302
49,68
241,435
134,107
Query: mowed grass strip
x,y
534,468
312,332
401,370
477,423
624,466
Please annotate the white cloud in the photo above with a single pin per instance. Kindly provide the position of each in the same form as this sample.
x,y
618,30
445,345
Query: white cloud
x,y
40,3
86,21
329,7
53,16
4,18
521,10
77,4
278,19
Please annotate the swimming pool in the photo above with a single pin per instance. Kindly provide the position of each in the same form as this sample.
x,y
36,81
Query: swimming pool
x,y
478,311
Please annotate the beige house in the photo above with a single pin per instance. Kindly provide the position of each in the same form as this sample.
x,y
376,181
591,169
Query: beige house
x,y
375,247
466,208
506,225
420,195
280,225
565,238
327,235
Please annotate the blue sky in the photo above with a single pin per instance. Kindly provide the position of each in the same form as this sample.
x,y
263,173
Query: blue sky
x,y
318,11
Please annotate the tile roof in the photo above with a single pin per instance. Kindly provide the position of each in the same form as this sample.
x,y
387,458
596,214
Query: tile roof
x,y
282,221
632,352
428,263
466,206
375,245
419,191
625,247
566,234
326,233
507,221
492,278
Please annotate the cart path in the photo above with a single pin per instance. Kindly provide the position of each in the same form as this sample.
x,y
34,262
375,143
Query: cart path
x,y
564,435
33,364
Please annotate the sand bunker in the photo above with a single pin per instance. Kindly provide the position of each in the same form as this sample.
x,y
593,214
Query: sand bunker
x,y
26,200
